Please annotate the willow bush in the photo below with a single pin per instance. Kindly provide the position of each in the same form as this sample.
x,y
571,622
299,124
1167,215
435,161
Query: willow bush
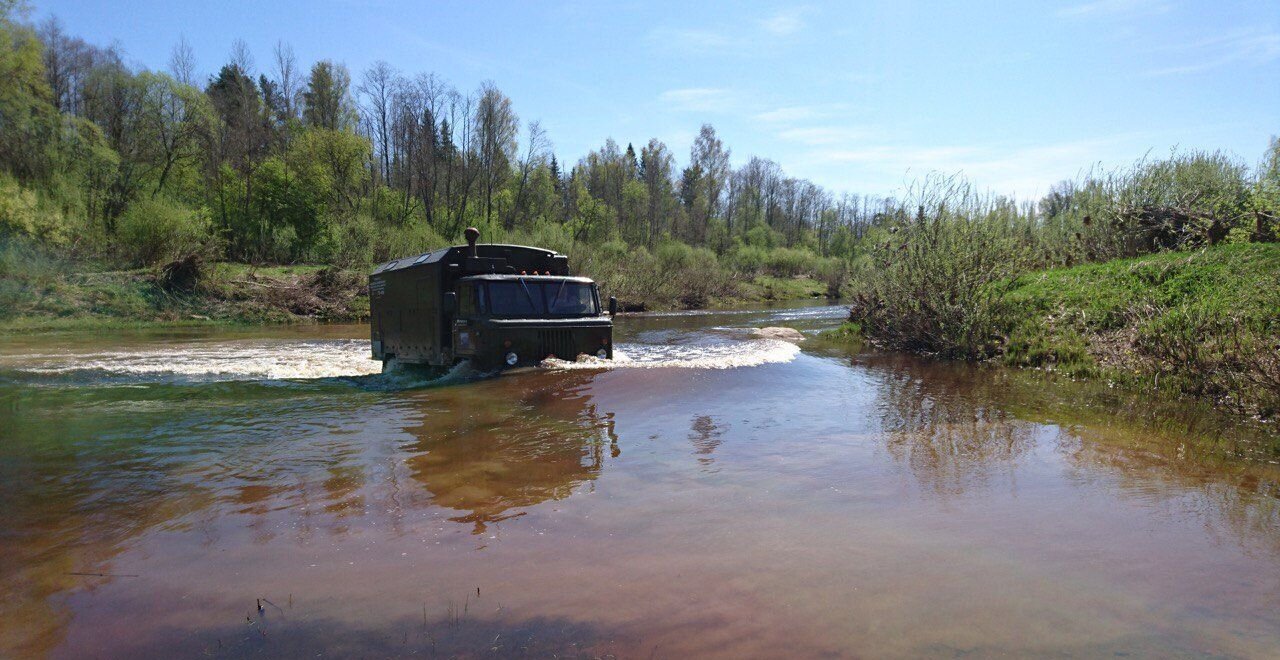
x,y
933,284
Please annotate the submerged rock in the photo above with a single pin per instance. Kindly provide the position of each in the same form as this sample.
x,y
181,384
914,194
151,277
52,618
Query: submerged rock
x,y
784,334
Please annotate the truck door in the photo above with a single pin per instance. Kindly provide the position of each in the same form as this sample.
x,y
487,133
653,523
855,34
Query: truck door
x,y
463,331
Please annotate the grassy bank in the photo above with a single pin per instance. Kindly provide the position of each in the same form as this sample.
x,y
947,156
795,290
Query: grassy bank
x,y
46,294
1204,323
40,291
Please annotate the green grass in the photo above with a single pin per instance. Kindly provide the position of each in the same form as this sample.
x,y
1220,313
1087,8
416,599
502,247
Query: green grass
x,y
847,334
1205,323
768,287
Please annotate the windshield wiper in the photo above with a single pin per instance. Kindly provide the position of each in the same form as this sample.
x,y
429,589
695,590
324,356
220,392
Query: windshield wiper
x,y
529,295
556,299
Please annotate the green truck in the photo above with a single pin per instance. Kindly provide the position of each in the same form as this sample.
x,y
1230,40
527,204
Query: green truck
x,y
499,306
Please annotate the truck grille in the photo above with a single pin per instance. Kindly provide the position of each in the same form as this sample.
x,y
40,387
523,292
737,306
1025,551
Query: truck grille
x,y
558,343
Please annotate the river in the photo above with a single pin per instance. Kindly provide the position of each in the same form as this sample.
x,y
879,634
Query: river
x,y
267,492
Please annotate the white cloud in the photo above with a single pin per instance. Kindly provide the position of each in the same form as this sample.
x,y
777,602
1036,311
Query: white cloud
x,y
783,23
1100,8
689,40
699,99
792,114
739,41
1248,47
787,114
825,135
1022,171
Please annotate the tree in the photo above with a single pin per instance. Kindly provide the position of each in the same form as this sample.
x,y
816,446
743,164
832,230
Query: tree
x,y
27,116
712,160
286,71
632,165
327,97
656,167
535,153
380,85
496,125
177,123
182,62
242,141
690,197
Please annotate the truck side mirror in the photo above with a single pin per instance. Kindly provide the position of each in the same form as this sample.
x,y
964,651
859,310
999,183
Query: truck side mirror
x,y
613,306
449,302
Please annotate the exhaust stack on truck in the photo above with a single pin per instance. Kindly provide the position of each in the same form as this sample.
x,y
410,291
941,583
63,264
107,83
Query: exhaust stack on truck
x,y
498,306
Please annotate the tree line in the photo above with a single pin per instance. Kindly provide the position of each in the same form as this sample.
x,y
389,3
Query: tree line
x,y
280,162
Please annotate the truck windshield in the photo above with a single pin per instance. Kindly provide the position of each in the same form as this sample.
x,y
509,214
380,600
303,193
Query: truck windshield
x,y
523,298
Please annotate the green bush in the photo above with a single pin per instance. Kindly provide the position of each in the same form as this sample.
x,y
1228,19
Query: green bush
x,y
748,259
674,255
935,284
789,262
24,214
157,230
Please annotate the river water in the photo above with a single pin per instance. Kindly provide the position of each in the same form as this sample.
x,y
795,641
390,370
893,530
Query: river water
x,y
268,492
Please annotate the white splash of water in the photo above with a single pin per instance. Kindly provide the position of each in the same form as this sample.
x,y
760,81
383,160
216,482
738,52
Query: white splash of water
x,y
251,360
689,356
223,360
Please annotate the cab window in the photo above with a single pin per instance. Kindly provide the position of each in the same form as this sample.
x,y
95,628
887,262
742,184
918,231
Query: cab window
x,y
515,299
570,299
468,300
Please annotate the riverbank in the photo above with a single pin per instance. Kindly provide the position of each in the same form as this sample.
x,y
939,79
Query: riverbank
x,y
45,295
1204,323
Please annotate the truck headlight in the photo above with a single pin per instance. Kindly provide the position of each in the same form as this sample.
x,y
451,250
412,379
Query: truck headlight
x,y
512,359
602,354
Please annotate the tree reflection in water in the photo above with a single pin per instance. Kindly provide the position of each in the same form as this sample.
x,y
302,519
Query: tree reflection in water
x,y
492,449
955,431
951,437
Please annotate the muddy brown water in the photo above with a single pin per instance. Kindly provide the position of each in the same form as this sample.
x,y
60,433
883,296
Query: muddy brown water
x,y
713,495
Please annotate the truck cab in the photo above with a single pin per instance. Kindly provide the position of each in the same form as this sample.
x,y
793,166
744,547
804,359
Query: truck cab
x,y
512,320
499,306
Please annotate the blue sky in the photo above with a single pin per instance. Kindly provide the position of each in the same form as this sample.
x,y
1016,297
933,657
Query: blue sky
x,y
856,96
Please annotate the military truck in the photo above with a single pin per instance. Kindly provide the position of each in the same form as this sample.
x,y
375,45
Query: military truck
x,y
499,306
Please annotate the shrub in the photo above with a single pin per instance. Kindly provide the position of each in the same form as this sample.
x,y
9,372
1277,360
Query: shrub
x,y
935,286
22,214
789,262
157,230
674,255
748,259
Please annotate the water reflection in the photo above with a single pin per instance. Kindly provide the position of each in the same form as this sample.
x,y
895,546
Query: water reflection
x,y
867,505
956,433
705,435
497,448
950,437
